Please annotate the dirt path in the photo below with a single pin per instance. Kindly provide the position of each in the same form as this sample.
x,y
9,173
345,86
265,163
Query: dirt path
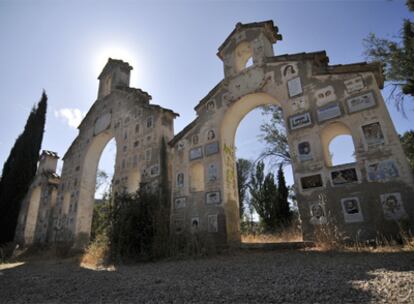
x,y
245,277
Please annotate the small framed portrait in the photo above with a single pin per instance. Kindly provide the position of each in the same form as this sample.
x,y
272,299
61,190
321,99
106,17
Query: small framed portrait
x,y
304,151
392,206
211,135
180,180
351,210
213,198
180,202
317,213
373,134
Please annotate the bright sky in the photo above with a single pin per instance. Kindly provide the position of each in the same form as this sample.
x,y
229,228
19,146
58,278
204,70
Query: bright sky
x,y
172,45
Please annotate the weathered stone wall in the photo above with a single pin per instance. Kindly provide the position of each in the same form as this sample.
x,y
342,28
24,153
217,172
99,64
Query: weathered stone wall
x,y
370,196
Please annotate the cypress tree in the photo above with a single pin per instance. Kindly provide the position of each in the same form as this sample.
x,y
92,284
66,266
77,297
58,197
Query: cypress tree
x,y
283,193
19,170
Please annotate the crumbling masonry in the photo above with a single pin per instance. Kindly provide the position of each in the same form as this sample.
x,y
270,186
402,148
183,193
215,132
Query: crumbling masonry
x,y
319,102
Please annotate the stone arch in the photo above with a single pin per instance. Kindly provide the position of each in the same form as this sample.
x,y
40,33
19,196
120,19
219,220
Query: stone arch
x,y
231,120
329,133
32,215
242,55
87,184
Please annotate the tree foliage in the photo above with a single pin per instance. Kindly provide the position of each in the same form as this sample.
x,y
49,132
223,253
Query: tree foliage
x,y
244,167
269,200
398,59
19,170
274,136
407,141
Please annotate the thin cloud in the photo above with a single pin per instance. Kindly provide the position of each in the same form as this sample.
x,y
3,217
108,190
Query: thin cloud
x,y
72,117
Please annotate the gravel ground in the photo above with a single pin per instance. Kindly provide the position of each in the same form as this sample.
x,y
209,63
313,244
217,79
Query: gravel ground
x,y
290,276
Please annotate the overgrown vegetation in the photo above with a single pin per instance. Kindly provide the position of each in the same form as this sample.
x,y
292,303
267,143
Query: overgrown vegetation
x,y
270,199
407,141
398,57
19,170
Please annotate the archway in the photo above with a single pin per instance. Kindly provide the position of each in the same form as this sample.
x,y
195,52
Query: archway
x,y
32,215
231,120
88,186
337,153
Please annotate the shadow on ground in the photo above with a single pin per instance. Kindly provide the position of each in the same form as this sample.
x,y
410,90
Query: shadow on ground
x,y
288,276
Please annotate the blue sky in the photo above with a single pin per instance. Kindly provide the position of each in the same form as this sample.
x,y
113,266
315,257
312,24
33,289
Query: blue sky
x,y
172,45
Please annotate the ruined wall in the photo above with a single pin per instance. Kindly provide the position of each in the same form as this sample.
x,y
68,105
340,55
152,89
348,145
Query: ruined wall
x,y
319,102
34,223
370,196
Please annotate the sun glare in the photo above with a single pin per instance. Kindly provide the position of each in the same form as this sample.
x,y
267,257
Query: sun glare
x,y
117,52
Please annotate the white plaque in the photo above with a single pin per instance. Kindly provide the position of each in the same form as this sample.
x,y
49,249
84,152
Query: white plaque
x,y
294,87
361,102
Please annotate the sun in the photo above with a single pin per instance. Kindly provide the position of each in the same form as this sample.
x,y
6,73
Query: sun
x,y
116,52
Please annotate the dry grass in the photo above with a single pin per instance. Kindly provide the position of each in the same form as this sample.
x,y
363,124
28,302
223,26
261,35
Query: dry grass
x,y
96,256
288,235
327,238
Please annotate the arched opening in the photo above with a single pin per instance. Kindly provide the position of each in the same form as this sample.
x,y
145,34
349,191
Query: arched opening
x,y
105,171
243,56
88,185
32,214
249,63
337,144
245,118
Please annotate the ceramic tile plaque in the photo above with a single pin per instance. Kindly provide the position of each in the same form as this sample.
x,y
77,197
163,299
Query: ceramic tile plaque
x,y
300,121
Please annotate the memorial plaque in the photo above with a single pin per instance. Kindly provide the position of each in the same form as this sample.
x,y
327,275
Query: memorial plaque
x,y
212,172
213,198
373,134
344,176
212,148
312,181
354,84
304,151
317,213
300,121
328,112
382,170
392,206
180,202
361,102
351,209
196,153
294,87
324,96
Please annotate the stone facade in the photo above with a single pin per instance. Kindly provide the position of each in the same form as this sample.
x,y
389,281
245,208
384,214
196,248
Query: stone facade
x,y
319,102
